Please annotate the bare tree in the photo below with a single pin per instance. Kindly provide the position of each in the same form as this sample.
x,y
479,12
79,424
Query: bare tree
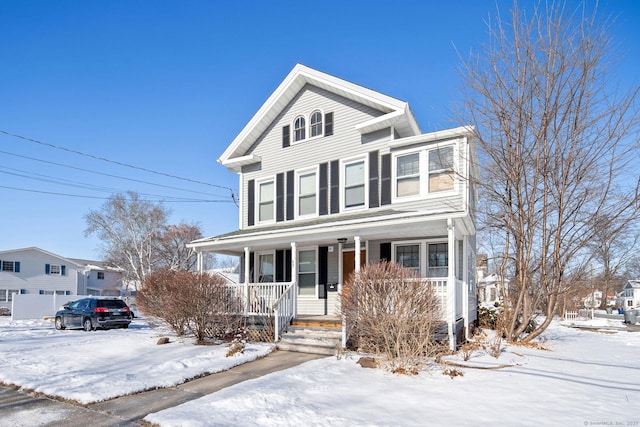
x,y
172,250
556,140
129,228
613,249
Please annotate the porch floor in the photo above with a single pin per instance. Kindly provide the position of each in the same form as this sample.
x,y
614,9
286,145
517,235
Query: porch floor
x,y
332,322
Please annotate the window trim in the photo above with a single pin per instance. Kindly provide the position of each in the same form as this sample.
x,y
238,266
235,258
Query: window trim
x,y
13,269
59,268
257,272
297,129
320,123
258,202
343,182
424,172
424,254
307,127
313,249
98,274
299,173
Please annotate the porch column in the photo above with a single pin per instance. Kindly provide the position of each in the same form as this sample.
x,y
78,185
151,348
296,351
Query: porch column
x,y
451,285
247,274
357,241
200,261
294,277
466,287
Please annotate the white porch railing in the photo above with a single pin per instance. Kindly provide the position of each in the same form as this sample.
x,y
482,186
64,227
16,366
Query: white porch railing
x,y
267,299
440,286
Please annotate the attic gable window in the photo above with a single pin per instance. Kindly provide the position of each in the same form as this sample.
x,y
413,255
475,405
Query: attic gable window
x,y
316,124
299,129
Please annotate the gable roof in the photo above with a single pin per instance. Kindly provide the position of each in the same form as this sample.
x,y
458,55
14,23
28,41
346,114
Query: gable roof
x,y
397,112
36,249
635,284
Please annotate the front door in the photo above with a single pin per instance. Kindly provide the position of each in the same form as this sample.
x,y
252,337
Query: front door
x,y
349,263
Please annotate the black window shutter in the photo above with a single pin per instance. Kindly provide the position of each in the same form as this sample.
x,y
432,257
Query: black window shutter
x,y
251,267
287,263
324,188
63,270
335,186
47,268
289,196
251,205
374,202
328,124
280,197
323,271
385,180
286,131
385,252
16,266
280,267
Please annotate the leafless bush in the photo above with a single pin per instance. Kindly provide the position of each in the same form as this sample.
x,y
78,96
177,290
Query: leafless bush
x,y
196,302
494,347
390,311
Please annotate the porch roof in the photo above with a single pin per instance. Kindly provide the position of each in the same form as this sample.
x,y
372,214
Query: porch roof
x,y
326,230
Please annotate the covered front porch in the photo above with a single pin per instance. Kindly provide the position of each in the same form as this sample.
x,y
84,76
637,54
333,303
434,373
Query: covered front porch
x,y
300,271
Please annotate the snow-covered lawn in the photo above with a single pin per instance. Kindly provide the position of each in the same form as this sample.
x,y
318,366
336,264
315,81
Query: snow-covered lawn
x,y
94,366
584,378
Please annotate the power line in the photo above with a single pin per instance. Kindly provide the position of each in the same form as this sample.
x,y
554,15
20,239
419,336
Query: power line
x,y
107,174
118,163
107,198
70,183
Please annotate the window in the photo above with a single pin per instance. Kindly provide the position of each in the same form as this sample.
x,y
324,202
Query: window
x,y
316,124
100,275
307,189
58,270
438,259
299,128
265,268
354,184
266,201
441,176
54,269
409,257
7,266
408,175
307,272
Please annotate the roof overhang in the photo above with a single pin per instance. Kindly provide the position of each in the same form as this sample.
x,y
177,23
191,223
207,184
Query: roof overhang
x,y
395,111
392,225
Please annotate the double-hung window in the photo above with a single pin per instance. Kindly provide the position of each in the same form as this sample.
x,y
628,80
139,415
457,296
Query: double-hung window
x,y
409,256
316,124
438,259
307,272
266,201
265,268
307,191
354,184
441,175
408,175
54,269
299,129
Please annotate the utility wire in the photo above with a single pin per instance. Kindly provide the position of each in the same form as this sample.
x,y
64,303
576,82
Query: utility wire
x,y
70,183
107,198
118,163
108,174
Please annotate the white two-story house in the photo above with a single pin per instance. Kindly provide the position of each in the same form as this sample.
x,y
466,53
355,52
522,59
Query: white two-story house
x,y
334,176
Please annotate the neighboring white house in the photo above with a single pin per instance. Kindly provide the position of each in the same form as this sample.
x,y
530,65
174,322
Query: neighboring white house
x,y
490,288
36,271
332,176
631,294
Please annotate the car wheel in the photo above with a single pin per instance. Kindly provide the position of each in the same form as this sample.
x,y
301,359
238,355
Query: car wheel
x,y
87,325
59,324
125,326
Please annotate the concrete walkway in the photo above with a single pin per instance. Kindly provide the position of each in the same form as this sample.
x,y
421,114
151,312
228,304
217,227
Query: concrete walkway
x,y
15,406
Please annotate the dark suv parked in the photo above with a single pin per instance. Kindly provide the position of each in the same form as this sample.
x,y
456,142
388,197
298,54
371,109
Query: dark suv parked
x,y
92,313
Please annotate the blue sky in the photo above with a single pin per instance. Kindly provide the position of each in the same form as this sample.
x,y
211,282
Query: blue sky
x,y
167,85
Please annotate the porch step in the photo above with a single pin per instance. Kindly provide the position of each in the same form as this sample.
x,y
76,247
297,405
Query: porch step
x,y
313,340
325,322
